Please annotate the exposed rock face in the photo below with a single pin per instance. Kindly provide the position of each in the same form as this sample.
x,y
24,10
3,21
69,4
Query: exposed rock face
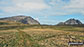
x,y
22,19
71,22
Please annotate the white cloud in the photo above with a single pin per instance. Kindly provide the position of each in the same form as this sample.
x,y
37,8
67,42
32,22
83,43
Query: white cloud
x,y
37,18
75,4
25,6
66,8
58,7
31,6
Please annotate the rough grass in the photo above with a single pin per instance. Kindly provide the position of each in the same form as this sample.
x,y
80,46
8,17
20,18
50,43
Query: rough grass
x,y
17,39
23,26
40,36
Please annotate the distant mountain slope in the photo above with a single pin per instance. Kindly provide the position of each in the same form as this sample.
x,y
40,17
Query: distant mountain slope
x,y
21,19
71,22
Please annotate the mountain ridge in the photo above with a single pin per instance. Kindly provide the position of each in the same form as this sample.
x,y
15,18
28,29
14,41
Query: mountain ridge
x,y
71,22
22,19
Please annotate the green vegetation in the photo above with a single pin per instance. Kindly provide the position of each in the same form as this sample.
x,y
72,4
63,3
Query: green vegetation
x,y
63,28
3,23
17,39
39,35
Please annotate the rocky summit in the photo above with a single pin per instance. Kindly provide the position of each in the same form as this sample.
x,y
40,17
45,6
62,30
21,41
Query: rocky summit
x,y
21,19
71,22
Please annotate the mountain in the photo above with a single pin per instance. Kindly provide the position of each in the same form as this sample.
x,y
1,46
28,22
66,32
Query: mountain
x,y
21,19
71,22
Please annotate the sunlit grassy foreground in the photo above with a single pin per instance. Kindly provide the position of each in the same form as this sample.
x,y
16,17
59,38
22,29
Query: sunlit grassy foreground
x,y
39,36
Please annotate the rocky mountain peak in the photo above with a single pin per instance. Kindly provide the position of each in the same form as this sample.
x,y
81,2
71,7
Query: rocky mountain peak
x,y
21,18
71,22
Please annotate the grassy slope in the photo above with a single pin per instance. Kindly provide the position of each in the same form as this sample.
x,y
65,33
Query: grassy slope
x,y
39,36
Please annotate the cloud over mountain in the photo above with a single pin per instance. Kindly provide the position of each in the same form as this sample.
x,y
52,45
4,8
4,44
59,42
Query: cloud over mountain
x,y
52,7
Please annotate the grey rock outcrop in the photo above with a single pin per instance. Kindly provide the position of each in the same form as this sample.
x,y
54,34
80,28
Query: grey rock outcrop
x,y
71,22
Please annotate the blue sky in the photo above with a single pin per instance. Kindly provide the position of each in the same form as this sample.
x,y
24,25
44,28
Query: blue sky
x,y
45,11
